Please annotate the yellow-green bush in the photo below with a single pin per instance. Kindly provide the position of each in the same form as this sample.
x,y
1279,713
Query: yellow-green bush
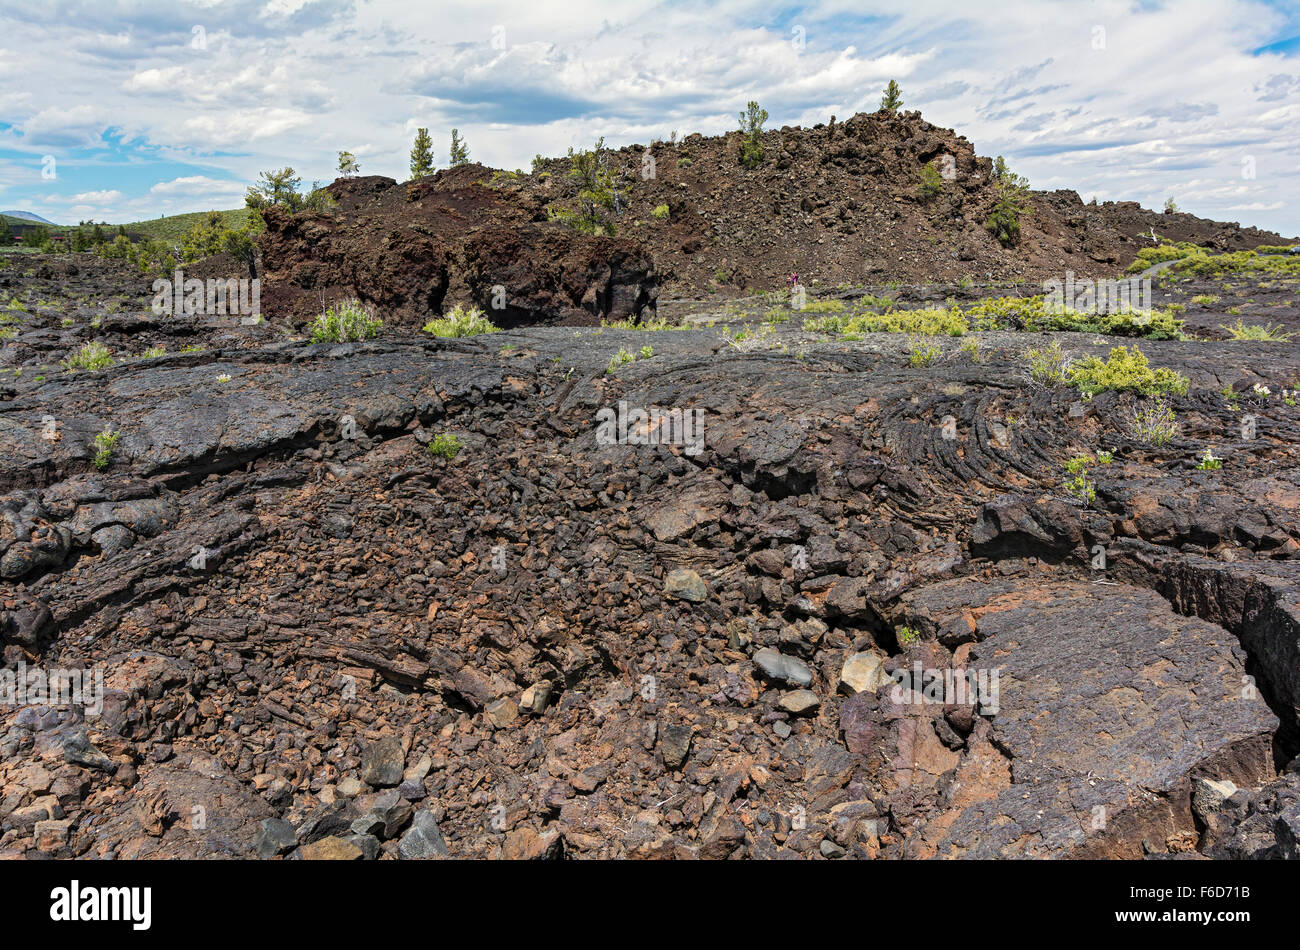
x,y
461,321
824,306
1240,262
1124,370
1159,253
921,322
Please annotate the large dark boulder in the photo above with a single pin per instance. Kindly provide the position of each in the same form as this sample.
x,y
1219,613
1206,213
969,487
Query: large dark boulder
x,y
418,249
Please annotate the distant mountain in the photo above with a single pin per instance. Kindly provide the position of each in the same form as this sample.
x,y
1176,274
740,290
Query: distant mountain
x,y
26,216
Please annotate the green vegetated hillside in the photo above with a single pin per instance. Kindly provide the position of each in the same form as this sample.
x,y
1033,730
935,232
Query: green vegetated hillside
x,y
11,220
170,228
176,226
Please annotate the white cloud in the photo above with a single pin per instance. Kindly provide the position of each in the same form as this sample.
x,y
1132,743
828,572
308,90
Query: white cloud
x,y
89,197
1171,97
196,186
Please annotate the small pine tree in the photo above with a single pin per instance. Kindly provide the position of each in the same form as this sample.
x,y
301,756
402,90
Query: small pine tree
x,y
422,155
242,246
459,150
348,164
931,183
751,127
1012,189
278,187
204,239
1170,207
597,200
6,233
892,100
1004,176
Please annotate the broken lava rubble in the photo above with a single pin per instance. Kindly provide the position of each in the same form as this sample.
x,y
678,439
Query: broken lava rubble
x,y
323,647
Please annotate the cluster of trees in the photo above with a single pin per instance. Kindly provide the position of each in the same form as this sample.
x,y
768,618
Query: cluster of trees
x,y
422,153
282,188
212,236
88,236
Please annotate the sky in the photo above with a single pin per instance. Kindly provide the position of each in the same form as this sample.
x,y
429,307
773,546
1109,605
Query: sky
x,y
120,111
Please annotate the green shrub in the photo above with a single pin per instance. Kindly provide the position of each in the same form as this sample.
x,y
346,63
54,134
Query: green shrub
x,y
1124,370
444,445
1048,365
1162,252
620,358
91,356
1156,325
660,212
461,322
345,322
103,445
1082,487
872,302
1034,315
1267,333
120,248
751,129
597,199
1209,461
154,352
923,353
1154,424
1239,263
1004,222
1013,201
892,100
922,322
930,184
656,324
999,313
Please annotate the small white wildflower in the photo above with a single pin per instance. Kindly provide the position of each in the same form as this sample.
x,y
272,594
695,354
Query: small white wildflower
x,y
223,378
1260,390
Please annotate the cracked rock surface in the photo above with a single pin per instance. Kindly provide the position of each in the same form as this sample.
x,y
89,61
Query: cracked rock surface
x,y
319,640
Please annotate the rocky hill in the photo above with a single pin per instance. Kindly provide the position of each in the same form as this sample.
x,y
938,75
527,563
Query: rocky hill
x,y
838,203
